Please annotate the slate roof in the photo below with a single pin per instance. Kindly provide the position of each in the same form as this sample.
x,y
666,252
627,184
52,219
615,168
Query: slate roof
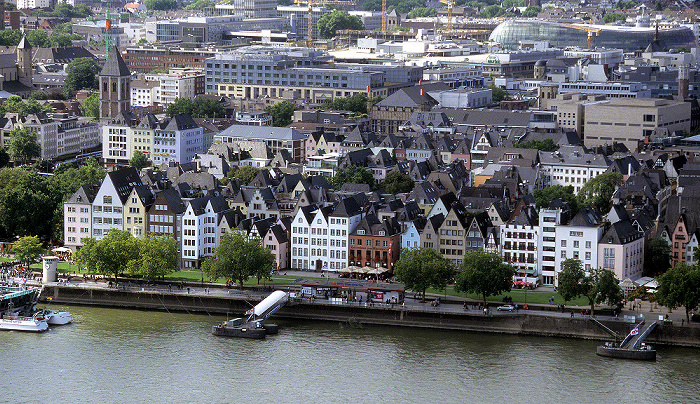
x,y
179,122
587,217
114,65
124,180
347,207
412,97
61,55
621,232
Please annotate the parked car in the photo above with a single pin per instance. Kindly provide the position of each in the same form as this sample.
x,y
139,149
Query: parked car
x,y
506,307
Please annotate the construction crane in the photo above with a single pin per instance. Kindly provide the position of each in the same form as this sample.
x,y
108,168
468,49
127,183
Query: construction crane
x,y
590,29
383,15
311,3
450,4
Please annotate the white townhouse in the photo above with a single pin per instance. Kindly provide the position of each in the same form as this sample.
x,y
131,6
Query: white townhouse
x,y
579,239
178,140
199,227
343,221
549,219
77,216
301,231
571,165
108,204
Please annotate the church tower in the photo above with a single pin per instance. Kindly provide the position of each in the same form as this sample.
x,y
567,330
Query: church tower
x,y
24,62
115,87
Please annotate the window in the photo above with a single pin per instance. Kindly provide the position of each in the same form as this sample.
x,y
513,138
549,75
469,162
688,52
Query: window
x,y
649,118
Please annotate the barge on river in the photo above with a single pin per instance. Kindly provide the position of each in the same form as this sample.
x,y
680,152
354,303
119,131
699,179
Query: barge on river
x,y
632,347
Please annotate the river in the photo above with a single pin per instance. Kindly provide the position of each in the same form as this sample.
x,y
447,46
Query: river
x,y
124,356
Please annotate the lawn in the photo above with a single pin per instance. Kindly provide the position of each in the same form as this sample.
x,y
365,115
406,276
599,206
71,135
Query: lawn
x,y
518,295
196,276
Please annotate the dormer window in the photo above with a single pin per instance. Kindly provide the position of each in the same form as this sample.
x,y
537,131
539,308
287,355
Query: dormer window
x,y
382,232
361,232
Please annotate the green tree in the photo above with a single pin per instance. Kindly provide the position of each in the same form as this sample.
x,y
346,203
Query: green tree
x,y
157,257
57,40
397,182
139,160
15,104
238,258
161,4
606,288
352,175
200,5
4,157
23,145
422,12
572,280
532,11
492,11
38,38
27,203
657,256
546,145
484,273
498,94
281,113
91,106
613,17
142,41
680,286
423,268
81,74
110,255
338,20
27,249
39,95
599,190
246,174
199,107
355,103
625,4
65,28
10,37
545,196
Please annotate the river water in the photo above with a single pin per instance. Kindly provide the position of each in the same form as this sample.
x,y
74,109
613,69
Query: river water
x,y
124,356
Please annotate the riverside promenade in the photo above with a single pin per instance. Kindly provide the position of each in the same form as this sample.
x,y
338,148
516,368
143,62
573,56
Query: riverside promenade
x,y
543,320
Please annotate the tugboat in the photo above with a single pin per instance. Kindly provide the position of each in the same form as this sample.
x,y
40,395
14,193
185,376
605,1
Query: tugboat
x,y
632,347
254,326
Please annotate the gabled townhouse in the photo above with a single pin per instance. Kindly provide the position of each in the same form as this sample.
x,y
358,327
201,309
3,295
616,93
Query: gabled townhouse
x,y
177,139
199,229
477,231
518,238
375,243
229,220
343,219
277,241
462,152
430,237
108,205
165,214
579,239
136,210
443,205
420,148
452,234
77,216
425,195
410,238
621,250
300,230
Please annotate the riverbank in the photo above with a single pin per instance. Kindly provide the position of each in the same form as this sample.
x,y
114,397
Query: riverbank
x,y
415,314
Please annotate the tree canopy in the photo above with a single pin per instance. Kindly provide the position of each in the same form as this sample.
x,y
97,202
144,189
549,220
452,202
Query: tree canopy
x,y
613,17
246,174
484,273
680,286
81,74
139,160
397,182
544,196
238,258
91,106
423,268
15,104
161,4
338,20
157,257
110,255
599,286
200,4
402,6
532,11
422,12
27,249
38,38
198,107
657,256
65,10
354,103
23,145
281,113
352,175
599,190
10,37
498,94
546,145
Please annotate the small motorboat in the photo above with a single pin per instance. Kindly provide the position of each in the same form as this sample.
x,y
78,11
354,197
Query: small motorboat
x,y
36,323
57,317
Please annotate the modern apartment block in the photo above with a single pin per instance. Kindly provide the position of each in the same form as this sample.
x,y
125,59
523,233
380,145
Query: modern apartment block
x,y
147,57
298,73
164,88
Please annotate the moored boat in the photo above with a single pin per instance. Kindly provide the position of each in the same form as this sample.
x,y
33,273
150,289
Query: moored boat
x,y
57,317
36,323
645,352
238,328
